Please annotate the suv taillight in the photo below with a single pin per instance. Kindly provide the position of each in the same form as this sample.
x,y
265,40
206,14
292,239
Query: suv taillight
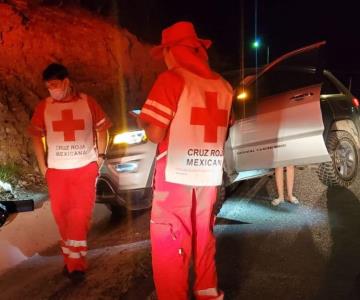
x,y
355,101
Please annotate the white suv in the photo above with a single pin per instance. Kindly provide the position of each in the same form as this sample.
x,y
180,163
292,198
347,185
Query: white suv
x,y
126,176
291,112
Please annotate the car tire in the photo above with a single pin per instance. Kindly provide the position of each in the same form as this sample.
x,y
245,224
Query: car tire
x,y
343,167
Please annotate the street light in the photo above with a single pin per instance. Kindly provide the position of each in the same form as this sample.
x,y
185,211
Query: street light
x,y
256,45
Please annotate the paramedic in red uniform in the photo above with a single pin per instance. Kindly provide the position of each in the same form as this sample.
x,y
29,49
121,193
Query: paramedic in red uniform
x,y
187,113
75,131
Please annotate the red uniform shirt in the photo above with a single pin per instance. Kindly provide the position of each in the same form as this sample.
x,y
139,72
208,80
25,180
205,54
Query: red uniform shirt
x,y
69,128
196,110
161,104
37,126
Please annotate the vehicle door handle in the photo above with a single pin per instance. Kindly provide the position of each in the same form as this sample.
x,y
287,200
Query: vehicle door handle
x,y
300,97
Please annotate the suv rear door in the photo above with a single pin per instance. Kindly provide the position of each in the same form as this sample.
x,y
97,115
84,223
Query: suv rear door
x,y
278,120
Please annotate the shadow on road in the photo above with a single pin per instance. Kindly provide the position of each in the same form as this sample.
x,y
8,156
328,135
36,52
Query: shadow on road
x,y
342,272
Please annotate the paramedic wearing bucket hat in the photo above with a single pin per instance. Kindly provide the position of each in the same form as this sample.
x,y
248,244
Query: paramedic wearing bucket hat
x,y
187,114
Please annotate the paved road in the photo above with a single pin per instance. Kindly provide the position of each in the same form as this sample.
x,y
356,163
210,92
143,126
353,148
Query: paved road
x,y
310,251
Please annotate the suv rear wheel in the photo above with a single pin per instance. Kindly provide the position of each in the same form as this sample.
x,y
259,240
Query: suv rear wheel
x,y
343,167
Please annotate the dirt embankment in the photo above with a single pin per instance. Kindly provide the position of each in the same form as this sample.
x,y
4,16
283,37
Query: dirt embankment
x,y
104,60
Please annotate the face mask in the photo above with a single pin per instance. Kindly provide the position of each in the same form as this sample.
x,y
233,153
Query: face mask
x,y
58,93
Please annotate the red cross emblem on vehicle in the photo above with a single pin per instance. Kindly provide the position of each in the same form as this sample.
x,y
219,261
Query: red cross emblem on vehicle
x,y
210,117
68,125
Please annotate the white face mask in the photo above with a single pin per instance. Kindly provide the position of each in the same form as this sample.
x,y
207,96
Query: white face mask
x,y
58,93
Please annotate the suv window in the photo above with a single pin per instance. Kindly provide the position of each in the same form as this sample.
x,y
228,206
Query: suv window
x,y
290,74
282,79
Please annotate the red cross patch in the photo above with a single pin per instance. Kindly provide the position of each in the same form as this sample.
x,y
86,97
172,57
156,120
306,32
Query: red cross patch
x,y
68,125
210,117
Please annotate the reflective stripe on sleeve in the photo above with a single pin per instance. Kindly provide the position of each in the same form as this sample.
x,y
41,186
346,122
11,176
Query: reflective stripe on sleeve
x,y
100,122
156,116
159,106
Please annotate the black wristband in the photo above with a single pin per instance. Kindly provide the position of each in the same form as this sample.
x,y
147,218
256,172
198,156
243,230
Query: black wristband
x,y
102,155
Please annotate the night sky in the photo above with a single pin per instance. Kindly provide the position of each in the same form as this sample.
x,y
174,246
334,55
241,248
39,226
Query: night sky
x,y
281,25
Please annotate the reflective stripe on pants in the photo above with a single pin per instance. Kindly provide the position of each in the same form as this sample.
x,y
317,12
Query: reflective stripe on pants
x,y
181,226
72,197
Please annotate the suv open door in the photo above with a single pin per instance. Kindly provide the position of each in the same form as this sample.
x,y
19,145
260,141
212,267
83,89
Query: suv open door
x,y
277,116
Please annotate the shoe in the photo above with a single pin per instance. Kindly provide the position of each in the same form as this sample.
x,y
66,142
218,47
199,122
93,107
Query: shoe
x,y
293,200
77,276
277,201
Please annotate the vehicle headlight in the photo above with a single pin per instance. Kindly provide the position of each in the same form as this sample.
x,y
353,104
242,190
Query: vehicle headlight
x,y
128,167
130,137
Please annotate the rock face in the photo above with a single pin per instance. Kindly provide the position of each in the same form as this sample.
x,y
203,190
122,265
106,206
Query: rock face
x,y
104,61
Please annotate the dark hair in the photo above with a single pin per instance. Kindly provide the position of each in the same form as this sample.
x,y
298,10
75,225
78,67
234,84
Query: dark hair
x,y
55,71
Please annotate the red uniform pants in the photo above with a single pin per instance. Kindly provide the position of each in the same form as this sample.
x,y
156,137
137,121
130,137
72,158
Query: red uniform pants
x,y
72,197
181,229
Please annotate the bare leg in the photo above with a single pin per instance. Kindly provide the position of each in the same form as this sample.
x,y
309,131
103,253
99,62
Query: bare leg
x,y
290,175
279,179
290,180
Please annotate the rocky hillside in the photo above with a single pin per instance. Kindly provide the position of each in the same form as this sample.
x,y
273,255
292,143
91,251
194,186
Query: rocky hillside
x,y
104,60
